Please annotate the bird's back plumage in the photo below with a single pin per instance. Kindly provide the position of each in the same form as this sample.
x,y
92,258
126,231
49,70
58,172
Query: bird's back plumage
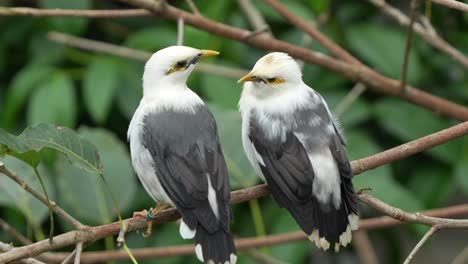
x,y
300,153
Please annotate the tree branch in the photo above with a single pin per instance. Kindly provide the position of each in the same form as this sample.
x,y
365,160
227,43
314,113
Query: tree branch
x,y
409,37
371,78
35,12
420,244
245,243
353,72
425,34
452,4
359,166
57,209
124,52
255,17
6,247
13,233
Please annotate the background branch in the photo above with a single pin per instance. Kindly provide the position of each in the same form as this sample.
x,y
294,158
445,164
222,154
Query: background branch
x,y
425,34
418,246
57,209
409,37
27,11
452,4
124,52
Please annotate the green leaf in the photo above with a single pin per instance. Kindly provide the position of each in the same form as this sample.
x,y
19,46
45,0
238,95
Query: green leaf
x,y
319,6
129,87
383,48
220,90
53,102
229,129
78,150
409,122
152,38
21,86
100,82
85,195
73,25
13,196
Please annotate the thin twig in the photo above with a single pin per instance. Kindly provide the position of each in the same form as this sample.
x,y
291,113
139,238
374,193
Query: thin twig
x,y
452,4
6,247
180,31
254,16
79,248
124,52
70,257
364,248
13,233
27,11
426,34
462,257
57,209
359,166
349,99
420,244
409,37
193,7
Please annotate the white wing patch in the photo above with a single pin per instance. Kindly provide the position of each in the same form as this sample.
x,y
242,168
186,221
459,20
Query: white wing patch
x,y
326,185
212,199
199,252
185,231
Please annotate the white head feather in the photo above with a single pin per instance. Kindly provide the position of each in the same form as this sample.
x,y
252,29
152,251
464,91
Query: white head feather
x,y
273,74
169,68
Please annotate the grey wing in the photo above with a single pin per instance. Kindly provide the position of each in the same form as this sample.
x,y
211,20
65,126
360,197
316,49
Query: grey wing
x,y
187,158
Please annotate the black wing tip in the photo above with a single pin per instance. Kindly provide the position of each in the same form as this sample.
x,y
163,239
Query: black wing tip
x,y
215,248
342,240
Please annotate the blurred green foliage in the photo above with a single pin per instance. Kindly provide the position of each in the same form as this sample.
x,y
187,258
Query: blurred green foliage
x,y
96,94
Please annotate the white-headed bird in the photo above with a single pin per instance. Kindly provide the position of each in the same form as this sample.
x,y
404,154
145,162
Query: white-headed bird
x,y
294,144
176,153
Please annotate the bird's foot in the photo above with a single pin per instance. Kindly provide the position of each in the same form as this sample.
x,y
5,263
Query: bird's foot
x,y
150,215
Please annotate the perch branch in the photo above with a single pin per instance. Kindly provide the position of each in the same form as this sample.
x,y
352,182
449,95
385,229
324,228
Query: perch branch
x,y
13,233
78,250
6,247
57,209
359,166
426,34
245,243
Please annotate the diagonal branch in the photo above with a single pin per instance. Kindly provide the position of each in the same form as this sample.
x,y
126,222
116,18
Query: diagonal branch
x,y
353,72
239,196
57,209
452,4
420,244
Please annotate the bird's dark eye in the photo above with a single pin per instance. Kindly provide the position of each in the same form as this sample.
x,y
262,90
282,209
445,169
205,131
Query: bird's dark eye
x,y
180,64
270,80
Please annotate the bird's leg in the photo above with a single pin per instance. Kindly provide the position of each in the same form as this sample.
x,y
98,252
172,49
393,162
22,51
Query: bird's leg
x,y
151,214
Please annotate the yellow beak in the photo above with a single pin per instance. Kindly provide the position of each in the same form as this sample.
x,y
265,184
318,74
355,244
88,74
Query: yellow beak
x,y
247,78
208,53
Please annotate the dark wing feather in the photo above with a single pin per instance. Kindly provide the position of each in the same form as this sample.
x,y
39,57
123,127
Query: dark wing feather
x,y
287,166
185,149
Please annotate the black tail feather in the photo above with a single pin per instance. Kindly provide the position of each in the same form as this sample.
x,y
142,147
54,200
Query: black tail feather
x,y
217,247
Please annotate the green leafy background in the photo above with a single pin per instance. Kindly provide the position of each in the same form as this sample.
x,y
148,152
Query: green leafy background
x,y
96,95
